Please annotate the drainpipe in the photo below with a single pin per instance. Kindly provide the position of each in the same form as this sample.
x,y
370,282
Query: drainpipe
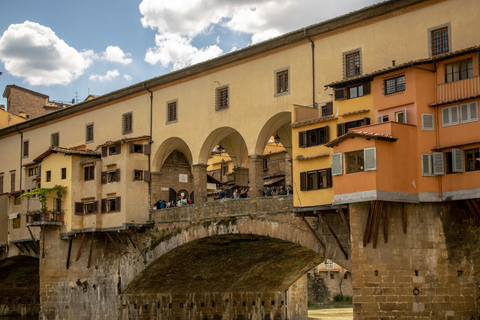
x,y
21,158
313,67
149,158
437,131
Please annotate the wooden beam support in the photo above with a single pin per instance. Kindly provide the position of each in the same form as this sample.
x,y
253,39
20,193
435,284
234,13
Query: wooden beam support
x,y
314,233
37,249
43,241
334,235
19,248
131,240
114,243
474,209
366,237
347,225
378,217
387,217
25,246
80,248
91,249
139,248
122,241
67,264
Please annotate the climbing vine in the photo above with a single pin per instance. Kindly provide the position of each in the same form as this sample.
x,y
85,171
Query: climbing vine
x,y
42,195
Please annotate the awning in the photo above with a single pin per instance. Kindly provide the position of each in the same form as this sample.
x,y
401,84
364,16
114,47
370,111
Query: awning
x,y
269,182
14,215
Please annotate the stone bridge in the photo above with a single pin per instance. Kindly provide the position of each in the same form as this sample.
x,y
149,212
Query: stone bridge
x,y
228,259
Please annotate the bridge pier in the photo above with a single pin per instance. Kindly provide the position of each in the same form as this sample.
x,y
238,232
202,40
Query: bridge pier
x,y
255,173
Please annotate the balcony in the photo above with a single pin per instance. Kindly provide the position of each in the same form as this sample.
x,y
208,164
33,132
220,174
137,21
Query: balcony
x,y
48,218
458,90
305,113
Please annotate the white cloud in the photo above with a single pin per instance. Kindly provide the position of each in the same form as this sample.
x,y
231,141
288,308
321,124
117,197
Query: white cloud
x,y
178,51
115,54
34,52
127,77
109,76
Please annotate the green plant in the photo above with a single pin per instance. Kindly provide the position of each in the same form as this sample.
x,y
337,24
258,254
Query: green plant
x,y
42,195
339,298
348,299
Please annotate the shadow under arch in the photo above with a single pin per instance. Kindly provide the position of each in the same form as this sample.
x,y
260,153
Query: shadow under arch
x,y
166,148
230,139
227,263
278,124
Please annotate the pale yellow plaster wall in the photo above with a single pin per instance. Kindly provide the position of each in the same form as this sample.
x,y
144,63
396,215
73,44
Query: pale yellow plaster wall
x,y
9,119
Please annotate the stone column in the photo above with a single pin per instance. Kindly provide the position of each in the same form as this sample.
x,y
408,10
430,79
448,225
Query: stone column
x,y
241,176
255,164
200,182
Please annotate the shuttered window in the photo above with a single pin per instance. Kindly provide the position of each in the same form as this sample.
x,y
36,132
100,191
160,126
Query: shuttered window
x,y
327,109
89,173
426,162
314,137
472,159
315,180
301,139
458,162
82,208
438,163
222,98
137,175
339,94
450,116
358,90
172,111
370,159
427,122
12,181
127,123
25,149
337,164
469,112
111,205
89,133
55,139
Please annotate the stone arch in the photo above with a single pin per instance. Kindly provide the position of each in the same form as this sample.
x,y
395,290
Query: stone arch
x,y
166,148
230,139
281,124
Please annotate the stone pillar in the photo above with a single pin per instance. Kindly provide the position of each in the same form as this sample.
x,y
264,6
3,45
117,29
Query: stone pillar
x,y
255,164
200,182
241,176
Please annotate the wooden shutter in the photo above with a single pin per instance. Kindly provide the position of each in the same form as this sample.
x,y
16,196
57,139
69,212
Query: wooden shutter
x,y
405,115
104,205
132,147
104,152
12,182
85,173
426,165
1,184
117,175
366,121
327,134
303,181
427,122
301,139
366,88
329,178
340,129
118,148
95,207
458,162
104,177
438,165
339,94
370,159
380,119
147,149
146,176
118,204
79,208
337,164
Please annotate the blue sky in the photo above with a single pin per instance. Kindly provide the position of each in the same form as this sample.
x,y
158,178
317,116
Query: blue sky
x,y
68,49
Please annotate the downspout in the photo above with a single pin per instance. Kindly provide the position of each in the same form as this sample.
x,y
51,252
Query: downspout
x,y
21,158
149,158
437,131
313,67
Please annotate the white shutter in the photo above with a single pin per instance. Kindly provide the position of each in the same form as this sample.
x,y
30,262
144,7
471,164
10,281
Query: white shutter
x,y
427,122
438,165
380,119
473,111
405,115
445,117
464,113
458,162
370,159
426,165
454,115
337,164
469,112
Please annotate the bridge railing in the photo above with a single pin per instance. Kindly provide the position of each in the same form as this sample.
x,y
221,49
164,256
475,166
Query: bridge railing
x,y
225,207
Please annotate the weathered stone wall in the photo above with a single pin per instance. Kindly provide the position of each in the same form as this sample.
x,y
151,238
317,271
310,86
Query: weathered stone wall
x,y
431,272
22,101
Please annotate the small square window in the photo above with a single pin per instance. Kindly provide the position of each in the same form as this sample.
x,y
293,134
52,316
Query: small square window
x,y
352,63
282,81
48,177
112,176
138,148
172,111
138,175
30,172
64,173
440,41
89,173
222,100
89,133
127,123
16,223
394,85
17,201
111,204
88,207
55,139
112,150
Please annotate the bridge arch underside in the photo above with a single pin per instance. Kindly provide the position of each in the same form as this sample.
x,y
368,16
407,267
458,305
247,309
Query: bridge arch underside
x,y
231,263
19,286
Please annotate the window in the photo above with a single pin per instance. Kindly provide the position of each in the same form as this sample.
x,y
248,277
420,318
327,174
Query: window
x,y
55,139
343,128
110,176
37,171
439,41
89,133
472,157
354,161
314,137
112,150
172,111
327,109
455,161
427,122
25,149
136,148
127,123
111,205
450,116
89,207
352,63
137,175
17,200
48,177
12,181
469,112
394,85
16,222
401,116
332,276
1,184
30,172
89,173
64,173
224,169
382,118
57,204
282,80
329,265
315,180
459,70
221,98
